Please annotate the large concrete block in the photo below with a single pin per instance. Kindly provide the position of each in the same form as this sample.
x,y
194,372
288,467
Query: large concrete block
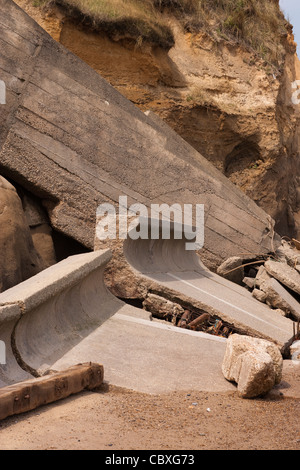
x,y
254,364
75,142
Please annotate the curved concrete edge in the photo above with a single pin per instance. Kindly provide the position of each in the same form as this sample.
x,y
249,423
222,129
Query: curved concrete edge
x,y
180,273
66,316
53,280
43,317
10,372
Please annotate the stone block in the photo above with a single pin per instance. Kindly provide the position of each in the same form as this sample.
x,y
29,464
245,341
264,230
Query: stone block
x,y
254,364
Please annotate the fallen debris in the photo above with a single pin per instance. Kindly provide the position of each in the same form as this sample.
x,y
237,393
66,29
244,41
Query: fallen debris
x,y
276,282
232,269
185,319
259,295
29,395
288,254
206,323
198,321
284,274
288,303
253,363
162,308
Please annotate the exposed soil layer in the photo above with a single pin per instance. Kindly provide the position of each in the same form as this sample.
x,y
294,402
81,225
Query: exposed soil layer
x,y
116,419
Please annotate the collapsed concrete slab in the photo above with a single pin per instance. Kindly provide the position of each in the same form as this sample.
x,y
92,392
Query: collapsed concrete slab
x,y
279,297
284,274
166,266
65,315
71,139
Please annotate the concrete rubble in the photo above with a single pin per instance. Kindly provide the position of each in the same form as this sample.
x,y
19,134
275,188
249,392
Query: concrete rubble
x,y
276,281
65,315
235,322
254,364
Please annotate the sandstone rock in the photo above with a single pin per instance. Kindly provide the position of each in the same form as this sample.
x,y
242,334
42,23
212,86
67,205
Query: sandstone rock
x,y
18,257
43,243
254,364
34,212
284,274
229,271
40,229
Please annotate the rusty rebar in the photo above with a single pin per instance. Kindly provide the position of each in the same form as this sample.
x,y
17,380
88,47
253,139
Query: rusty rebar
x,y
198,321
185,318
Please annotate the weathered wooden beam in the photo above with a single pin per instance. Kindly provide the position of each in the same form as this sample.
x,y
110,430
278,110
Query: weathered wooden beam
x,y
29,395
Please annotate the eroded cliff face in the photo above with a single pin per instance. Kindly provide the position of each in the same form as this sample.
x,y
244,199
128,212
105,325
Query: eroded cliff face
x,y
235,109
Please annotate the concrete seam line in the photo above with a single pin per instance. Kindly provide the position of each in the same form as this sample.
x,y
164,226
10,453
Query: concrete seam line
x,y
167,327
224,301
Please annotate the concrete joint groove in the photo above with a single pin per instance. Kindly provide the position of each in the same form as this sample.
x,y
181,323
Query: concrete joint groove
x,y
17,354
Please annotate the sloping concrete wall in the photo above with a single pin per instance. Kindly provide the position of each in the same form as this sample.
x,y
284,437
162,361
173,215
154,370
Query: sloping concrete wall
x,y
44,317
65,316
71,139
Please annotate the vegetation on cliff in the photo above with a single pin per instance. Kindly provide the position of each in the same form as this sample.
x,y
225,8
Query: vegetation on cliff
x,y
255,24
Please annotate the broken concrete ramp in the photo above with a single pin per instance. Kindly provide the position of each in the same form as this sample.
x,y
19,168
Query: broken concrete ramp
x,y
166,267
65,315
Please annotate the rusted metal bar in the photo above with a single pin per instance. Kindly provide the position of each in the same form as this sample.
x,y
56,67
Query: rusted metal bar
x,y
198,321
185,319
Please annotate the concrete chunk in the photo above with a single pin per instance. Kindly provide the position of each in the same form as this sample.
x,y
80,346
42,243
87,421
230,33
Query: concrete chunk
x,y
162,307
254,364
288,302
83,148
284,274
259,295
274,294
249,282
66,316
